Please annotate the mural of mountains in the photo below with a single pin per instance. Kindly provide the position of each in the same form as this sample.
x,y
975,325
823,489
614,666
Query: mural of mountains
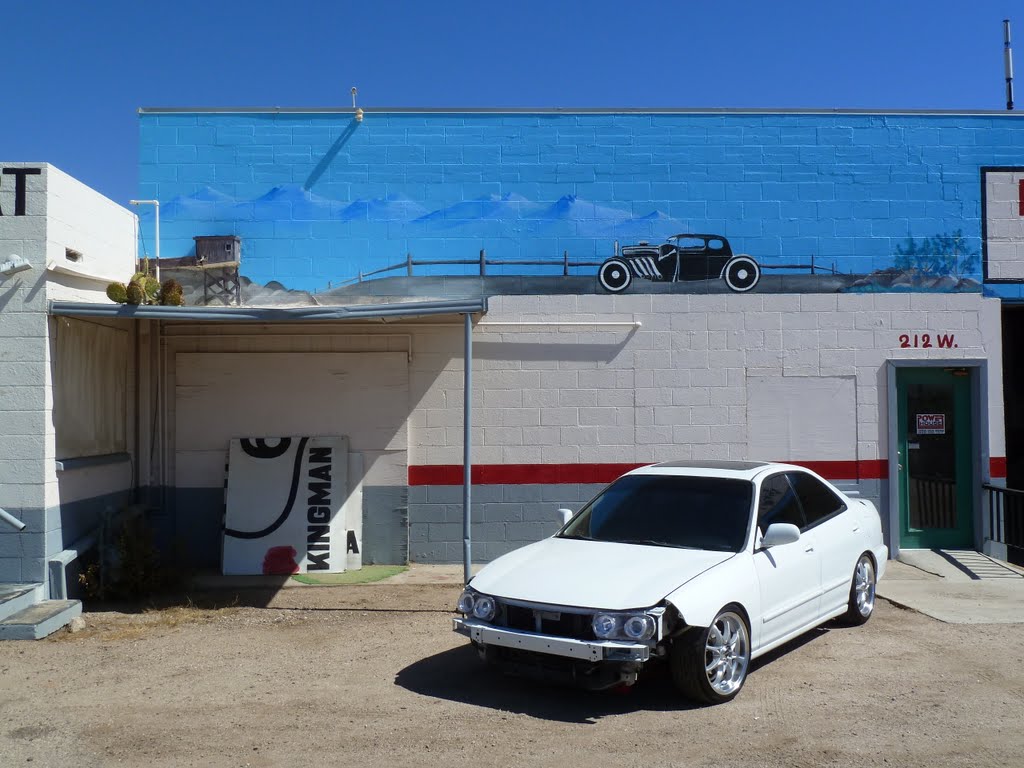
x,y
567,216
204,204
492,207
391,208
292,202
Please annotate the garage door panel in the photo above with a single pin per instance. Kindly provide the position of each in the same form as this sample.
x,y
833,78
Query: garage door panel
x,y
364,396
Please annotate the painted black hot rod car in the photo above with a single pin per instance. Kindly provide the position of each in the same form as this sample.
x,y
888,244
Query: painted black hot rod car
x,y
684,257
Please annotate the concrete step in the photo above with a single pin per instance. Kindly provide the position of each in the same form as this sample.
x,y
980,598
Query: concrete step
x,y
16,597
39,620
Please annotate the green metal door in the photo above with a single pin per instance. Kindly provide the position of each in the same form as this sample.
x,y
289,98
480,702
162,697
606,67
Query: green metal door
x,y
935,436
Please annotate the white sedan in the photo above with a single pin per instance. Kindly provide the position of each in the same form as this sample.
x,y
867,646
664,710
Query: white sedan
x,y
705,566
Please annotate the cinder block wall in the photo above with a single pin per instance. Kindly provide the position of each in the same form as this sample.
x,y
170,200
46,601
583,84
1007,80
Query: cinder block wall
x,y
782,187
56,218
23,373
90,236
564,396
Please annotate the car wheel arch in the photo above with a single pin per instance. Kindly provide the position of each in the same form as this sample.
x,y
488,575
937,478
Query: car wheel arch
x,y
733,581
702,615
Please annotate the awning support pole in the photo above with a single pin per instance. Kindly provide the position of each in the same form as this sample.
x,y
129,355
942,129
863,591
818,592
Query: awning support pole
x,y
467,461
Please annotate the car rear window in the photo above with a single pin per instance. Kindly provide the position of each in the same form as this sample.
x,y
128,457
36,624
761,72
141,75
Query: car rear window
x,y
669,511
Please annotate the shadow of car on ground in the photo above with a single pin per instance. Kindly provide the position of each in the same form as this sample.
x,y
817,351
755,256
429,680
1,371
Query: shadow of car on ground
x,y
459,675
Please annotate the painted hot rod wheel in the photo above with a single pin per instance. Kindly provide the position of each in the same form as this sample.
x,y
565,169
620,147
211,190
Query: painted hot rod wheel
x,y
614,276
741,273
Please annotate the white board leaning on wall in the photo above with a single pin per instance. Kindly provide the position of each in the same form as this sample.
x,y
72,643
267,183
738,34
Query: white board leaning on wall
x,y
284,507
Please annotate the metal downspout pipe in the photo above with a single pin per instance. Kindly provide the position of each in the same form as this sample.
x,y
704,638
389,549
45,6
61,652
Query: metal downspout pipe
x,y
467,461
17,525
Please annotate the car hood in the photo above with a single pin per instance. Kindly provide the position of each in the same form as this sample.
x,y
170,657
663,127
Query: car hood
x,y
593,574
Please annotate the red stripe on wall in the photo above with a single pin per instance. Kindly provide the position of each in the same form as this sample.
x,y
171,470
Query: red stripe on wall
x,y
552,474
866,469
518,474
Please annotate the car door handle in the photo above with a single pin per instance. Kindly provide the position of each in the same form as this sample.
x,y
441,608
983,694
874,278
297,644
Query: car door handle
x,y
856,529
809,549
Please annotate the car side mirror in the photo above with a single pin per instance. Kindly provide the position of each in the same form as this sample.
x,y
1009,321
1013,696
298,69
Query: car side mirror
x,y
779,534
565,514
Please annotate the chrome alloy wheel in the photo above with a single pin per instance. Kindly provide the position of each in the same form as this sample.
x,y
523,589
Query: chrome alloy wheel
x,y
727,653
864,586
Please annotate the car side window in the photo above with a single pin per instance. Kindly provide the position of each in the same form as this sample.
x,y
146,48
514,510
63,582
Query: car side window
x,y
817,499
778,503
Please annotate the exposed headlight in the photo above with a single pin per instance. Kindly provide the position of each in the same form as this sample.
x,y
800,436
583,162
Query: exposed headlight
x,y
483,607
639,627
625,626
605,625
465,604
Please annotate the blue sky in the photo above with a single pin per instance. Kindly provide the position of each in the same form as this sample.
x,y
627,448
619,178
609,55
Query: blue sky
x,y
75,73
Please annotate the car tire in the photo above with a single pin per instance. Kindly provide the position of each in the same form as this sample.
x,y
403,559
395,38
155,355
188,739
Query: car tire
x,y
614,276
741,273
709,665
862,592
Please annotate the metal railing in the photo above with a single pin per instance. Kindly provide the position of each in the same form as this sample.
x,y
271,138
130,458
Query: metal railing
x,y
566,264
1006,520
483,262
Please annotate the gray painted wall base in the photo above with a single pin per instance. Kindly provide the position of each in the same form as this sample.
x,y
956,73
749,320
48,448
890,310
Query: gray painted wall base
x,y
386,535
40,620
503,518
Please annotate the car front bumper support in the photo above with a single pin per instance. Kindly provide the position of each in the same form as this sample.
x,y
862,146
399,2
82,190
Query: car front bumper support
x,y
584,650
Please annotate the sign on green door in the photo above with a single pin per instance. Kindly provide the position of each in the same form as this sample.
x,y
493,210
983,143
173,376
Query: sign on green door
x,y
935,481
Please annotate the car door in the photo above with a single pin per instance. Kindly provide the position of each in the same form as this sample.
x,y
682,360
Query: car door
x,y
789,576
836,532
693,257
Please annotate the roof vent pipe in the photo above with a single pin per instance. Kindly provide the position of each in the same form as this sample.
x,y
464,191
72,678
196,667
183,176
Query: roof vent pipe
x,y
1008,63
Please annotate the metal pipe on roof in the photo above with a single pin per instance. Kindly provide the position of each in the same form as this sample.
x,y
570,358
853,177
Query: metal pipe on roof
x,y
1008,63
467,453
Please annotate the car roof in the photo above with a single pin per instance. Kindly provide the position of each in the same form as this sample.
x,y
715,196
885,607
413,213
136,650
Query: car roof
x,y
739,470
703,235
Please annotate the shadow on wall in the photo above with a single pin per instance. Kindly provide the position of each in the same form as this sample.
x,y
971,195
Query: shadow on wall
x,y
328,158
564,350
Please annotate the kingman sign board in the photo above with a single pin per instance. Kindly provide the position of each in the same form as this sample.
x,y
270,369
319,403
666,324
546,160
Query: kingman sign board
x,y
283,506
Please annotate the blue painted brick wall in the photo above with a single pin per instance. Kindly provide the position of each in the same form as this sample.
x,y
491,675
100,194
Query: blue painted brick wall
x,y
847,188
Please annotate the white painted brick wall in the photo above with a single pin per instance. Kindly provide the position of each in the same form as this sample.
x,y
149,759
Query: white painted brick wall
x,y
104,233
645,394
23,345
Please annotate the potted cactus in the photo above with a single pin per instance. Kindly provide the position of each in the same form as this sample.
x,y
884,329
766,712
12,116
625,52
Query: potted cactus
x,y
146,289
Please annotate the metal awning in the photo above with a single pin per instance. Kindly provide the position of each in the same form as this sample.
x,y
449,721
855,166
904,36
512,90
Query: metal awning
x,y
271,314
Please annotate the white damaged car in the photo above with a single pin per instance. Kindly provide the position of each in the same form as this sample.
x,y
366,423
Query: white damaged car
x,y
705,566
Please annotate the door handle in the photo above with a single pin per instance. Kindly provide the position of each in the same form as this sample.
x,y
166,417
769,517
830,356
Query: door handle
x,y
809,549
856,529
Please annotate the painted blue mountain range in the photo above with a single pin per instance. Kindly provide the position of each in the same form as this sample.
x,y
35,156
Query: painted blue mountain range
x,y
569,215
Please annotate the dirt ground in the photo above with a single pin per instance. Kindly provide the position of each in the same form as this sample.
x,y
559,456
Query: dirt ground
x,y
373,676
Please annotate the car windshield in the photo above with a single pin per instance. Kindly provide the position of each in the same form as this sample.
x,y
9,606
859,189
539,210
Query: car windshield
x,y
668,511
